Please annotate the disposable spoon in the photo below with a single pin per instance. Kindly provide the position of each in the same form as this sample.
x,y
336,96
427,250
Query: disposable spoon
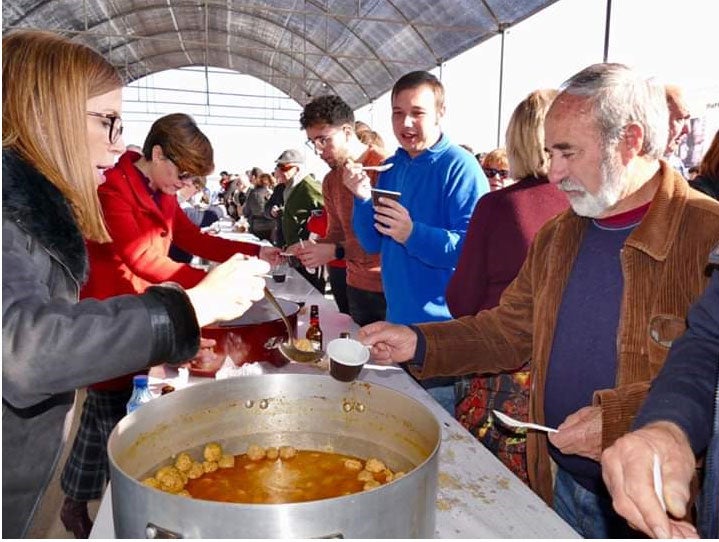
x,y
658,484
380,169
506,420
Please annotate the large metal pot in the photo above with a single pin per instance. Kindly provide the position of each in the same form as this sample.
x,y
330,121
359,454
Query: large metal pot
x,y
306,411
252,337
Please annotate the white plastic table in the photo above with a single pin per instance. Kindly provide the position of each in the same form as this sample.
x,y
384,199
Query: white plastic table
x,y
478,497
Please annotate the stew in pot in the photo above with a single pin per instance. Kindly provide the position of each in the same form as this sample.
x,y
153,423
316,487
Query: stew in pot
x,y
270,475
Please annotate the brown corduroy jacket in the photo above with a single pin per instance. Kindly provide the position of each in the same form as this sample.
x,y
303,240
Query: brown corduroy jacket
x,y
663,261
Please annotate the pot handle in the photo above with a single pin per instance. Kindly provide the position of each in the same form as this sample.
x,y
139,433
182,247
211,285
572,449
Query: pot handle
x,y
155,531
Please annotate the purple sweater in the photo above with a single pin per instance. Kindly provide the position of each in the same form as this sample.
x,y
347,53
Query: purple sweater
x,y
500,231
586,330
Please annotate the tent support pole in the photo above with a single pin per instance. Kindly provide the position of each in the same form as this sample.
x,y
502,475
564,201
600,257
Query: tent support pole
x,y
502,29
606,30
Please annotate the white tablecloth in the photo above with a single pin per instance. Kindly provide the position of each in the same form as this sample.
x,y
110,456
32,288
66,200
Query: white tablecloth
x,y
478,497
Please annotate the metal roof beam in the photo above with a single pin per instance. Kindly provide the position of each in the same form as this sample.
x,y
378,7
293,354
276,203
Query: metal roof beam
x,y
228,106
419,34
212,92
139,37
261,76
338,16
269,22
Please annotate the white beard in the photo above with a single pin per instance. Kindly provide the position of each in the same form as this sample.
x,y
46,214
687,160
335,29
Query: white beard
x,y
609,194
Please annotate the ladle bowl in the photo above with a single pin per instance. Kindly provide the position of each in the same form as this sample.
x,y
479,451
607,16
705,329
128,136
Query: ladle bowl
x,y
288,349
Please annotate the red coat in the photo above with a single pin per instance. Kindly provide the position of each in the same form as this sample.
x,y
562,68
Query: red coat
x,y
142,232
317,224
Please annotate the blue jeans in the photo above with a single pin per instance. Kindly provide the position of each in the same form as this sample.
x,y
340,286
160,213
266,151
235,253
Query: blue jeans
x,y
442,390
591,515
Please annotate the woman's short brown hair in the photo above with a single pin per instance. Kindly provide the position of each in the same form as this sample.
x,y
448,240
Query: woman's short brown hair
x,y
265,179
47,80
496,157
182,142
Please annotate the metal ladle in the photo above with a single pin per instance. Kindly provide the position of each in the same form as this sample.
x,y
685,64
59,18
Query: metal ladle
x,y
288,349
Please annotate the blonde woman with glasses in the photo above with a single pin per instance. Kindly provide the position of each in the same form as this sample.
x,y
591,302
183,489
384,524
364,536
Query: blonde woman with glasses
x,y
61,130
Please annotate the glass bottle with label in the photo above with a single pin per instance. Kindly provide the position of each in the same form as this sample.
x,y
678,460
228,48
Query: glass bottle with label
x,y
314,332
140,393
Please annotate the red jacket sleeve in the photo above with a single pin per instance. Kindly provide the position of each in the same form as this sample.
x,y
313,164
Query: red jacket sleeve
x,y
141,241
141,237
189,238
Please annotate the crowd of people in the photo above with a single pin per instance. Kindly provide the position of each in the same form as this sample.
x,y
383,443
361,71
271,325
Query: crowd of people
x,y
569,278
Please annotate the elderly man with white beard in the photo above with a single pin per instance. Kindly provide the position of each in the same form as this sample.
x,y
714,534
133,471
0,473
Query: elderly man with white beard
x,y
604,290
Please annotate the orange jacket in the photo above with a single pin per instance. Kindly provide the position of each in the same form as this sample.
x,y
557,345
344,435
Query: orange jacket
x,y
363,269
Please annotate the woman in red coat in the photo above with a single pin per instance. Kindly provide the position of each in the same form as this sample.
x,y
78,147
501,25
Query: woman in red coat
x,y
143,218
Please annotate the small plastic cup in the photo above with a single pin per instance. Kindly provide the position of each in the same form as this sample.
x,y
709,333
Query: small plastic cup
x,y
379,193
347,357
279,272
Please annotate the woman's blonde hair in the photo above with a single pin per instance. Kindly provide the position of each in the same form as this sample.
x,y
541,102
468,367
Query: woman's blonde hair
x,y
525,136
47,80
709,165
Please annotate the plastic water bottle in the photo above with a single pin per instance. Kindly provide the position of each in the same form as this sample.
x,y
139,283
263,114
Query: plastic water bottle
x,y
140,393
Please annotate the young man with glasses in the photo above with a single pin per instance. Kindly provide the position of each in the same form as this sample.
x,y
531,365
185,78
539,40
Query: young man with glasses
x,y
329,123
420,236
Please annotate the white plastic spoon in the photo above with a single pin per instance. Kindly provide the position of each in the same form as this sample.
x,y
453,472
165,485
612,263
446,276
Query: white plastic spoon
x,y
658,484
506,420
380,169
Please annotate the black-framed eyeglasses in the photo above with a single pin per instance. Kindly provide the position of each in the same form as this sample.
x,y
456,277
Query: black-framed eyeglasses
x,y
184,175
114,129
492,172
320,141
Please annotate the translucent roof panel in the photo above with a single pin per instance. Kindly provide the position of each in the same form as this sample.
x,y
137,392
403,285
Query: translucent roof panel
x,y
354,48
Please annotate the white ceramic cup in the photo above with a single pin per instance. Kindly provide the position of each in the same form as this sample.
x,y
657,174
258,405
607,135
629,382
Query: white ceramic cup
x,y
347,357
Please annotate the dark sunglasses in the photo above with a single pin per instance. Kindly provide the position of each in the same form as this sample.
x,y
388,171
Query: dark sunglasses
x,y
114,128
491,172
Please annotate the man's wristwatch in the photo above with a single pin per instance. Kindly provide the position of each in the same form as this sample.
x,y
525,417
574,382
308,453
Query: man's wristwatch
x,y
339,252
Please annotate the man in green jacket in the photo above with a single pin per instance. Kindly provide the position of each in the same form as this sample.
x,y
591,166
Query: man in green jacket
x,y
301,196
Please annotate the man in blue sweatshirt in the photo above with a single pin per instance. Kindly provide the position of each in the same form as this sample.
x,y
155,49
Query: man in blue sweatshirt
x,y
420,236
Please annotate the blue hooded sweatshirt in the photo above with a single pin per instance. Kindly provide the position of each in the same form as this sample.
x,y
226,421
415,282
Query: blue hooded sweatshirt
x,y
440,188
